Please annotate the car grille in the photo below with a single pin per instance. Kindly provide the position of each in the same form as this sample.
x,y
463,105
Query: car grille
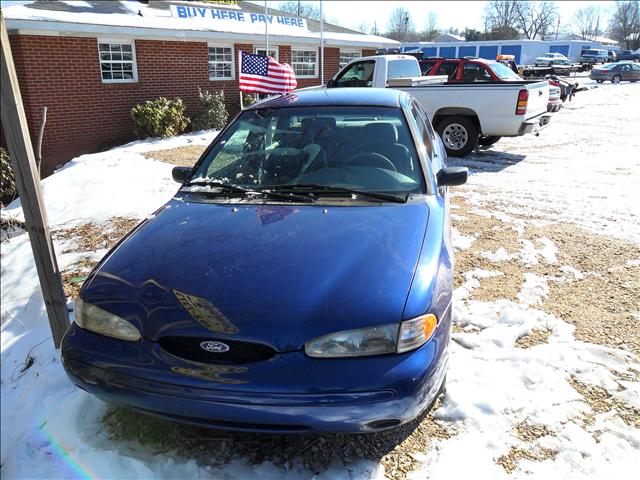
x,y
239,352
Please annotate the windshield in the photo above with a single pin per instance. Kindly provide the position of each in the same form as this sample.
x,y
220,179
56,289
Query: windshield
x,y
607,66
591,52
362,148
504,72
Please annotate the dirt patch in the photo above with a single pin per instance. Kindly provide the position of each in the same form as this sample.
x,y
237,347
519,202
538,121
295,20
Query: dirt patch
x,y
536,337
594,284
537,454
394,449
181,156
601,401
90,237
528,432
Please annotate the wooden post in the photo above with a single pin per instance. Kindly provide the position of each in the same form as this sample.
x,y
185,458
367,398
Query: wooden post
x,y
16,132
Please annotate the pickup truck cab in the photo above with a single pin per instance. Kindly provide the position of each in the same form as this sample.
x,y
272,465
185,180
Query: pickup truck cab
x,y
461,112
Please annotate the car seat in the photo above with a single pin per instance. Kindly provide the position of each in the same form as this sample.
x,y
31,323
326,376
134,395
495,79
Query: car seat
x,y
382,138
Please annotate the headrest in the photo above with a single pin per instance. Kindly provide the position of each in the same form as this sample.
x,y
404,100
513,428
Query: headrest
x,y
312,127
381,133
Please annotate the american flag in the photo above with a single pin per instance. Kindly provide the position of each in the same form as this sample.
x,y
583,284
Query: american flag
x,y
262,74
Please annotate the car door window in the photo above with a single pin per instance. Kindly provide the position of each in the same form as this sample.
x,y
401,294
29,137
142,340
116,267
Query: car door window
x,y
473,72
358,74
424,128
449,69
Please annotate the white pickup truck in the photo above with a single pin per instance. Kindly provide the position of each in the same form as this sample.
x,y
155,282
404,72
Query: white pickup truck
x,y
462,113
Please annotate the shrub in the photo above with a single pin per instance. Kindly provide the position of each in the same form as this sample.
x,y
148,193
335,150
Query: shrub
x,y
7,178
212,111
248,99
162,117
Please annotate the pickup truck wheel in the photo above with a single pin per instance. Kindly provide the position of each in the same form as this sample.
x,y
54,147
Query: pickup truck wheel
x,y
616,79
486,141
459,135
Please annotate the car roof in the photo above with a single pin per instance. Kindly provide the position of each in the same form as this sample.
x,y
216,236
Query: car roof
x,y
379,97
464,59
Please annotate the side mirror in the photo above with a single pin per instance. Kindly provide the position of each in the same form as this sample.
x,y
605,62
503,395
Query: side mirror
x,y
452,176
331,83
180,174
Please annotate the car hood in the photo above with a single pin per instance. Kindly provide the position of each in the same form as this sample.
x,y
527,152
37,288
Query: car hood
x,y
277,274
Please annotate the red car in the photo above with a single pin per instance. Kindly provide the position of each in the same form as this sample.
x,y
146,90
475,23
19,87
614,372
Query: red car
x,y
472,69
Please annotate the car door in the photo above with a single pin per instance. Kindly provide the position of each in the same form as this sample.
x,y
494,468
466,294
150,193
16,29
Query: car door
x,y
625,72
449,69
634,74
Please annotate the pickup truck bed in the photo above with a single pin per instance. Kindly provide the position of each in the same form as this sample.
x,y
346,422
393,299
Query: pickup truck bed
x,y
461,112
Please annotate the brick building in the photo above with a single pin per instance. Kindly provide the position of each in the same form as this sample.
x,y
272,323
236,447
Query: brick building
x,y
90,62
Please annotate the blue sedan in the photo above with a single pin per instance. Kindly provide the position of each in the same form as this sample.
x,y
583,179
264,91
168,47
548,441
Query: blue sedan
x,y
300,280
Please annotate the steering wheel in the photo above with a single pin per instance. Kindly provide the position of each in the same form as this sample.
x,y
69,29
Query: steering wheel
x,y
372,158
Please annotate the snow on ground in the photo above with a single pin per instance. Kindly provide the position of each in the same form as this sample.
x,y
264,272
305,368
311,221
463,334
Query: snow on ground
x,y
582,169
120,182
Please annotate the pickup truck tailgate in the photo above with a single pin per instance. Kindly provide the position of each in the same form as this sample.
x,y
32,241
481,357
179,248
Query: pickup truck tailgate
x,y
538,99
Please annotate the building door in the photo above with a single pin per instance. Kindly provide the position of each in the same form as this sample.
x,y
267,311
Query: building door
x,y
515,50
467,51
563,49
490,52
448,52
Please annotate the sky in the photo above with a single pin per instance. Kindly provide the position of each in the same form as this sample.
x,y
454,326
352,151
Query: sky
x,y
458,14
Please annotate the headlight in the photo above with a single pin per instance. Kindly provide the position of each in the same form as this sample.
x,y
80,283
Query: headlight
x,y
102,322
379,340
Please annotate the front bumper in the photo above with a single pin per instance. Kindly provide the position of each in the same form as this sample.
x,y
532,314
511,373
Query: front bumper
x,y
321,395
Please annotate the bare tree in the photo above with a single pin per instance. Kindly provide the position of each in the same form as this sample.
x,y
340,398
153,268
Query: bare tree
x,y
501,17
586,22
301,9
364,27
400,26
625,24
535,19
431,27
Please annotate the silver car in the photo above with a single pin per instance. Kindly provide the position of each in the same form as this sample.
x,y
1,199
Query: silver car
x,y
616,72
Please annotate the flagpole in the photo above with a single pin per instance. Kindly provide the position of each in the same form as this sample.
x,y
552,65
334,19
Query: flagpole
x,y
321,45
240,70
266,28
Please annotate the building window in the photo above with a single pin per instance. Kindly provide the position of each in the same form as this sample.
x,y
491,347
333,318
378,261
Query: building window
x,y
220,63
117,62
304,63
273,52
348,55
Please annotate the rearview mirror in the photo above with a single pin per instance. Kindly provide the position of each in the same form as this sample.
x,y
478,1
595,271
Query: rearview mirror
x,y
180,174
452,176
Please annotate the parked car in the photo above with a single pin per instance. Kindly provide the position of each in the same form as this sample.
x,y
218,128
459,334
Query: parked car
x,y
481,70
616,72
628,55
461,112
300,280
594,55
548,59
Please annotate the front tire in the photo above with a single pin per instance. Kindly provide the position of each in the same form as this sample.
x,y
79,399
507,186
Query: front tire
x,y
487,141
459,135
616,79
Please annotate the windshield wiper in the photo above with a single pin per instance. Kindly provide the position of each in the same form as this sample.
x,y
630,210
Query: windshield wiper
x,y
229,187
313,188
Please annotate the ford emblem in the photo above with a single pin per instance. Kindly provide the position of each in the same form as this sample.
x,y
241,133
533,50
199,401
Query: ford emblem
x,y
214,347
